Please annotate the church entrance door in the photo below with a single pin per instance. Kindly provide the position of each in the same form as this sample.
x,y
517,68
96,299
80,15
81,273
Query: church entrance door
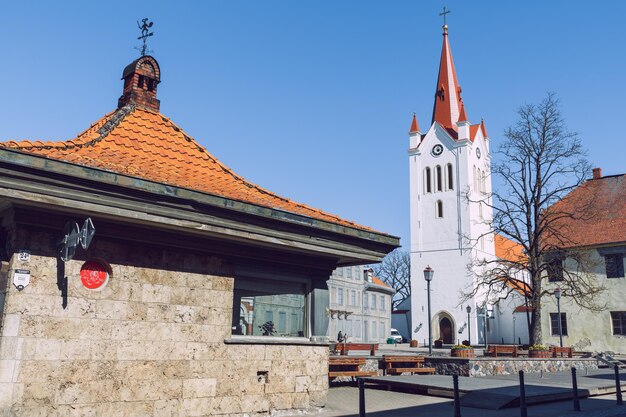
x,y
445,330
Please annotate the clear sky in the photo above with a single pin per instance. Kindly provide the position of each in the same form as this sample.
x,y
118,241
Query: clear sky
x,y
313,99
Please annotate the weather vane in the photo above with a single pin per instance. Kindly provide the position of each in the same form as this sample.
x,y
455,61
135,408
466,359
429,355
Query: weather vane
x,y
144,27
444,13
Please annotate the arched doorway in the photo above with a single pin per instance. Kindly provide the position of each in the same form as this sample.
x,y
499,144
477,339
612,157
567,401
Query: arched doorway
x,y
445,330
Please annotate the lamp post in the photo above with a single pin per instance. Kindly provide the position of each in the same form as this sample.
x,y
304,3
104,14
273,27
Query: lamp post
x,y
428,276
514,342
485,324
557,294
469,326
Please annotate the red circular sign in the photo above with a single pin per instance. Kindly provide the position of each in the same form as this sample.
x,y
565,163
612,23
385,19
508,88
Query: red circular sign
x,y
93,275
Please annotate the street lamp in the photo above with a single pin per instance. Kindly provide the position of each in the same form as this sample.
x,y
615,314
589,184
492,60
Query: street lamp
x,y
557,294
428,276
469,326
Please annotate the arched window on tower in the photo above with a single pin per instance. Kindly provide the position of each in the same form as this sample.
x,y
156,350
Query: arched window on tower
x,y
427,181
450,177
482,182
438,179
439,209
480,210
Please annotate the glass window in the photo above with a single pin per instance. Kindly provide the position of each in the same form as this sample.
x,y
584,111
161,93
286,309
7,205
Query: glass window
x,y
450,177
349,272
427,181
365,301
373,301
382,302
554,324
258,303
353,297
383,334
282,322
554,267
374,331
339,272
348,328
619,322
614,265
357,328
438,179
340,296
439,209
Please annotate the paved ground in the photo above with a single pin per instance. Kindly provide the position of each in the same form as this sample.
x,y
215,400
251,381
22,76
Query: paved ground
x,y
343,402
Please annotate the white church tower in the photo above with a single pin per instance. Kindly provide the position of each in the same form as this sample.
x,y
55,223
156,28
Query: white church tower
x,y
448,231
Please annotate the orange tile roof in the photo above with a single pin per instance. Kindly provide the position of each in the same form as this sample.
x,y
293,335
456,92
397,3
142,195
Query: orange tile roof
x,y
378,281
507,249
141,143
598,209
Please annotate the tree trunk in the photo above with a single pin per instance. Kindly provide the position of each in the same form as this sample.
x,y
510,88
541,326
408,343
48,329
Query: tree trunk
x,y
535,331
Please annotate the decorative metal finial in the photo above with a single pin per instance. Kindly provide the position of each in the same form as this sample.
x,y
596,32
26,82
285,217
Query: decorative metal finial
x,y
444,13
145,34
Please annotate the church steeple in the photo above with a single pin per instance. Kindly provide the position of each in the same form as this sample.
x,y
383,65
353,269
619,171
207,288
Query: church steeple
x,y
448,103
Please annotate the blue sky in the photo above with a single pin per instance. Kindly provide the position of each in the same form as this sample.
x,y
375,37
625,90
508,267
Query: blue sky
x,y
313,99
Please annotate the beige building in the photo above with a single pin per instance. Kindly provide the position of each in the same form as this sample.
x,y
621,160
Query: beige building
x,y
199,293
602,240
360,305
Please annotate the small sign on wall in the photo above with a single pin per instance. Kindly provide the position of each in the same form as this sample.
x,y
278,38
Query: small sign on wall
x,y
21,278
24,256
94,275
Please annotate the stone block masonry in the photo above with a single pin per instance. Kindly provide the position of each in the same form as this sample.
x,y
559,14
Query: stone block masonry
x,y
151,343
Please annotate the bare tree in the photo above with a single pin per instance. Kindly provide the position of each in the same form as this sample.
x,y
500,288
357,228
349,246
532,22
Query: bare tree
x,y
395,271
539,163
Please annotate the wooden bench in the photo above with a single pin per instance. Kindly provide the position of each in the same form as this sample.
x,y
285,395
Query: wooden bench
x,y
341,366
396,365
559,352
501,350
344,348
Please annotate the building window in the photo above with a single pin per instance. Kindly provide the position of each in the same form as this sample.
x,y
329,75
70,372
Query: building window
x,y
438,179
353,297
480,210
619,322
614,265
439,209
339,272
365,301
340,296
382,302
475,179
554,267
374,331
373,301
348,328
257,305
349,272
357,328
427,181
450,177
554,324
383,334
483,182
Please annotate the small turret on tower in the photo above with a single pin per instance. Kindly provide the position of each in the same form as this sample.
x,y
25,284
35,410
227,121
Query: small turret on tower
x,y
141,78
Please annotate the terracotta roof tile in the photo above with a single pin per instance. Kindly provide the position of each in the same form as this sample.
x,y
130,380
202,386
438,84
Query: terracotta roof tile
x,y
599,214
145,144
507,249
380,282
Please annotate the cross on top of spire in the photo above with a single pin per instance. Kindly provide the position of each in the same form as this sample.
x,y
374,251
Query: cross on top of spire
x,y
145,34
444,13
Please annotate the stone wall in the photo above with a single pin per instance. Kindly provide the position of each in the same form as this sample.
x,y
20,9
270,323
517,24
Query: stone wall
x,y
151,343
505,366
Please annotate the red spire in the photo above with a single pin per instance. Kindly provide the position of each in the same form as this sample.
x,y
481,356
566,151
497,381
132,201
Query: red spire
x,y
414,126
448,101
483,129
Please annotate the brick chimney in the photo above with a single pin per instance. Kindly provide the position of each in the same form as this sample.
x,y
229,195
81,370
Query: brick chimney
x,y
141,78
597,173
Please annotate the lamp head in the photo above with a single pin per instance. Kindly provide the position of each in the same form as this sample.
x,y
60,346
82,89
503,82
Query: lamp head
x,y
468,309
557,293
428,273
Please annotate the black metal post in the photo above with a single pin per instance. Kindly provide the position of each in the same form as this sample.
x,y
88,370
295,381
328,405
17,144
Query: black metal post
x,y
469,330
361,397
430,330
457,400
575,388
558,309
618,388
522,396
